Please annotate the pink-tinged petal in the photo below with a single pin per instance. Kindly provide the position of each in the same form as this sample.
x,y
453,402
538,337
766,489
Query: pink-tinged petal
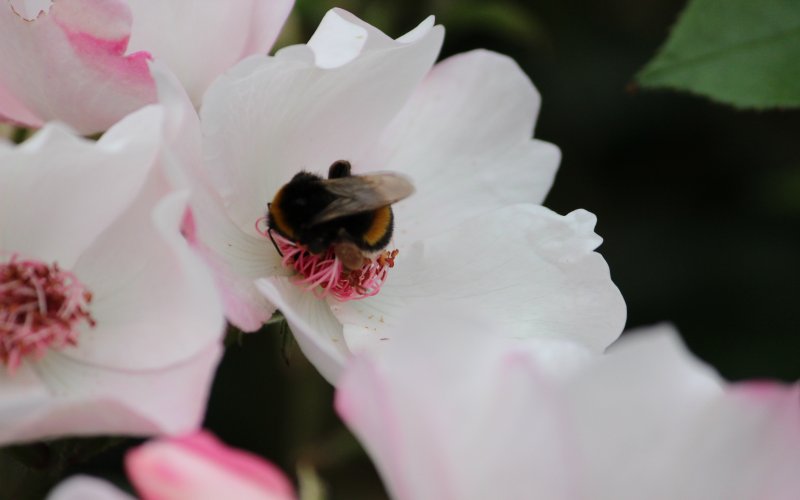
x,y
159,318
154,300
198,466
80,399
71,64
482,424
646,420
235,257
200,40
316,330
533,271
464,138
631,410
79,186
744,445
237,260
87,488
650,421
270,117
14,111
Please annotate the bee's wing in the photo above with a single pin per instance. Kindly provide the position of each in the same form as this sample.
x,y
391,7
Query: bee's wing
x,y
362,193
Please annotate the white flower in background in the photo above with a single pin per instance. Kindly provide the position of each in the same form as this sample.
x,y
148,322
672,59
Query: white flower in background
x,y
196,466
84,62
461,131
109,324
645,421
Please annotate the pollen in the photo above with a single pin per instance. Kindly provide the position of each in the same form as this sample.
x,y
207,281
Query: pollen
x,y
325,275
41,307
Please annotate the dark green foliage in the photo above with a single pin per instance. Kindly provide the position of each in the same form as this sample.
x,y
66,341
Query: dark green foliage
x,y
740,52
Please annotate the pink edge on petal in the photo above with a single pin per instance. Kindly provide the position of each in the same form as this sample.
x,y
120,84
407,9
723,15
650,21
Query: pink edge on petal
x,y
363,402
244,464
110,54
243,316
766,391
247,466
189,227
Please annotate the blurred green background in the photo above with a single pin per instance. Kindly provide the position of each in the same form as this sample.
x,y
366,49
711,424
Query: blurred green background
x,y
699,206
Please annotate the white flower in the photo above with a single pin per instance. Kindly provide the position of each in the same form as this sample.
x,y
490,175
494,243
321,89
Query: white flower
x,y
84,62
645,421
108,322
460,130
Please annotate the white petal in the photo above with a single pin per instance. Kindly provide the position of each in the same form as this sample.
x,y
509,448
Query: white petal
x,y
87,488
644,421
653,422
30,9
200,40
666,421
60,191
236,258
80,399
270,117
155,301
21,395
317,332
464,138
631,409
342,37
745,445
71,65
533,271
469,426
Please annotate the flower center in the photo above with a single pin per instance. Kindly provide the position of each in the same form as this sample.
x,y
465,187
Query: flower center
x,y
324,274
41,307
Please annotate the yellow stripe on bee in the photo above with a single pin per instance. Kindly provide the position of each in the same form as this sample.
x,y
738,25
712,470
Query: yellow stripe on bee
x,y
381,219
277,216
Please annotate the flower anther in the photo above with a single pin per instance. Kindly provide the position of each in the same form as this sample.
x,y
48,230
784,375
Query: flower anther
x,y
41,307
324,274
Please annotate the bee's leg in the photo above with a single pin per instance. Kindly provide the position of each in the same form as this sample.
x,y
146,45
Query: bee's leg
x,y
338,169
349,255
269,232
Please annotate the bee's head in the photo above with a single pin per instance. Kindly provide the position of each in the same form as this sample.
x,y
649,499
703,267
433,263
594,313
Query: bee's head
x,y
296,204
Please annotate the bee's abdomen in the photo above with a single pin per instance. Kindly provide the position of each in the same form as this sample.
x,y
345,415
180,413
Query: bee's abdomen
x,y
277,218
379,232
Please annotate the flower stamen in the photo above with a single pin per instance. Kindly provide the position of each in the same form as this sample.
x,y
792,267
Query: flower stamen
x,y
324,274
41,307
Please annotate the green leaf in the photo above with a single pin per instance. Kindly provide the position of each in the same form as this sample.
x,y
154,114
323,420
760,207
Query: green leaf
x,y
745,53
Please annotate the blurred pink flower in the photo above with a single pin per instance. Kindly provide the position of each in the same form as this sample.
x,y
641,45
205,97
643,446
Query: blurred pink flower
x,y
460,130
196,466
84,62
492,419
101,299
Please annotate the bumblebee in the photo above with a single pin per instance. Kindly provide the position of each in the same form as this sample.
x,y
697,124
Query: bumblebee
x,y
352,213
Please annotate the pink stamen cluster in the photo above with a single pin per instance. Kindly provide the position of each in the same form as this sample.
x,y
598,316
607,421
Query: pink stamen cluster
x,y
40,308
324,274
